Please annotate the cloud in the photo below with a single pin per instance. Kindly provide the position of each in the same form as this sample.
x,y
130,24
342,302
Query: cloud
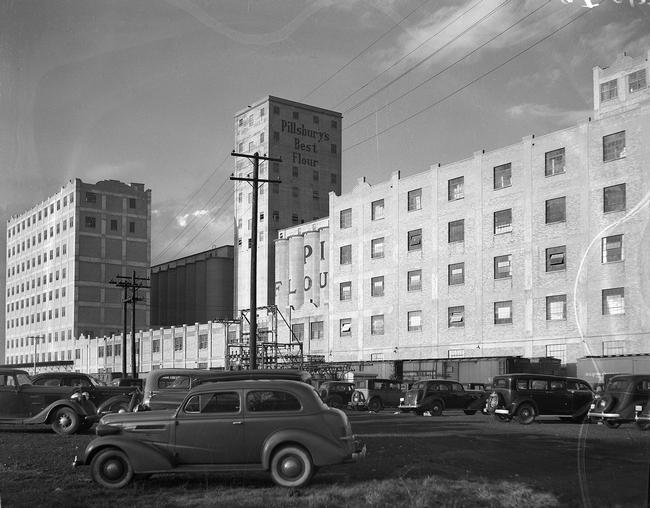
x,y
546,112
182,220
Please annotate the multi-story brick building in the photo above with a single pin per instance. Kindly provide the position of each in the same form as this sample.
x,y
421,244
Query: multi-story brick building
x,y
308,140
61,256
541,248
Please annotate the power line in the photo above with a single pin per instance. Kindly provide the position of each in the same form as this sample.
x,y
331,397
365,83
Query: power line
x,y
407,54
467,55
469,83
426,59
191,198
363,51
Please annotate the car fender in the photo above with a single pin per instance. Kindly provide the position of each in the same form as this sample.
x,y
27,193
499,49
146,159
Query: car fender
x,y
323,451
129,400
143,457
514,407
83,410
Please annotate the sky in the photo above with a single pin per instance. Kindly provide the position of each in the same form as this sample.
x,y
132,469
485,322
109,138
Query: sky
x,y
146,90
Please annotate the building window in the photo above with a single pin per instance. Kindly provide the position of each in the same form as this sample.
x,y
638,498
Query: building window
x,y
612,248
503,266
333,148
556,308
556,258
294,171
91,197
113,225
415,239
90,222
377,286
556,210
614,198
414,200
132,202
298,331
316,330
377,210
261,137
315,175
377,248
456,316
554,164
377,325
203,341
131,227
636,81
155,346
414,280
333,178
414,320
503,312
557,351
178,343
456,231
345,290
608,91
456,274
455,188
346,218
295,192
334,124
503,221
614,146
345,326
613,347
316,119
613,301
345,255
276,137
502,176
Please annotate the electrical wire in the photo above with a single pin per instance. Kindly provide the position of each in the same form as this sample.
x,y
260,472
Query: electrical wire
x,y
458,90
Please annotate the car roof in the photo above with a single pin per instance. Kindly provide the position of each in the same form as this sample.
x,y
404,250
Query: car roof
x,y
528,375
13,371
59,374
265,384
632,377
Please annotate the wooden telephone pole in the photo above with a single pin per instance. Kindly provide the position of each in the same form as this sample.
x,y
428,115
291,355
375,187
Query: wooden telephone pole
x,y
132,283
254,181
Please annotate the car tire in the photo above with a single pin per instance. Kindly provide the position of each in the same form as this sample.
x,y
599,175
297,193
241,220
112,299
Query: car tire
x,y
435,408
291,466
612,424
526,414
375,404
111,468
65,421
335,401
469,411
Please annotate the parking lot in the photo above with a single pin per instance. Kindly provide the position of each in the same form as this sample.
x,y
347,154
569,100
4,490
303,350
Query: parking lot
x,y
582,465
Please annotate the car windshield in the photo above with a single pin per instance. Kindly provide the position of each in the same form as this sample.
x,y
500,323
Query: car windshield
x,y
23,379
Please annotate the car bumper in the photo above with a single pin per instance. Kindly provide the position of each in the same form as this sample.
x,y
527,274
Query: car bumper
x,y
603,416
358,405
501,411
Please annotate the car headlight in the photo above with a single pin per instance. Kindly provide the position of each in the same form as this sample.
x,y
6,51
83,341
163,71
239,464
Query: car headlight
x,y
80,396
401,399
593,406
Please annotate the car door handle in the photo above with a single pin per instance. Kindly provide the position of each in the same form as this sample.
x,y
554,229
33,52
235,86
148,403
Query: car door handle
x,y
237,423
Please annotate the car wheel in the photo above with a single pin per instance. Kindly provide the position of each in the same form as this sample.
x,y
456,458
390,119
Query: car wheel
x,y
375,404
66,421
291,466
436,408
335,401
469,411
612,424
526,414
111,468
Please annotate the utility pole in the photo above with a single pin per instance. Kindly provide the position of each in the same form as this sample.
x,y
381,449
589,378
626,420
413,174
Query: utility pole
x,y
133,283
254,181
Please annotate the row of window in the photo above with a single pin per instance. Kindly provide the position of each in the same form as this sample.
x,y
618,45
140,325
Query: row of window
x,y
22,287
90,222
40,215
36,300
31,243
45,357
613,303
555,258
636,81
276,111
36,318
42,339
61,250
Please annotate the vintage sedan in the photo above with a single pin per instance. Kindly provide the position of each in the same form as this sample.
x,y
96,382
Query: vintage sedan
x,y
278,426
66,409
433,396
621,400
375,394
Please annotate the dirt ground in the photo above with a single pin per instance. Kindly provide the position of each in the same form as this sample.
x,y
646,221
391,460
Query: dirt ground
x,y
582,465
